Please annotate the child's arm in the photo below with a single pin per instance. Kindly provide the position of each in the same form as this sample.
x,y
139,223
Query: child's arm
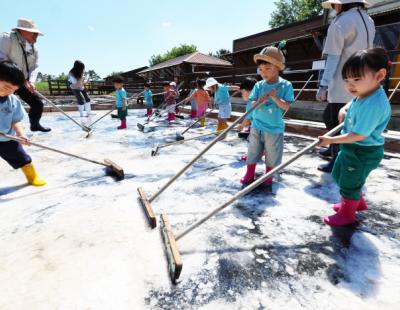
x,y
350,137
19,130
343,112
245,123
124,104
234,88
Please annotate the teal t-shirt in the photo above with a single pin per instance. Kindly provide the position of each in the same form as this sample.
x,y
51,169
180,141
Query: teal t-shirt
x,y
120,95
148,97
11,112
268,118
222,95
369,117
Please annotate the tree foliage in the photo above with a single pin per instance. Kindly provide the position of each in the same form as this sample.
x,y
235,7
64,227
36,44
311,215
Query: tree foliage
x,y
177,51
290,11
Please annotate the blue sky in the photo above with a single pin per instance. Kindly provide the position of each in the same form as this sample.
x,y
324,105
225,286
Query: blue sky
x,y
122,35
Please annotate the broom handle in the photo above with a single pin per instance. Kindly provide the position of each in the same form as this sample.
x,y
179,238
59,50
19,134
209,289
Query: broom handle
x,y
211,144
394,91
301,90
256,183
188,139
62,111
53,150
198,120
100,118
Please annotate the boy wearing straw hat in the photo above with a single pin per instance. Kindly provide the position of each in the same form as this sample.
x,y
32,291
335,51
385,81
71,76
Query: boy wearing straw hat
x,y
267,126
18,46
11,115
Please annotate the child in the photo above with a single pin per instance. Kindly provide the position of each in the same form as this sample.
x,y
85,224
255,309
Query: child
x,y
120,100
170,101
11,115
193,111
174,88
203,101
267,125
361,141
76,83
245,88
222,99
148,99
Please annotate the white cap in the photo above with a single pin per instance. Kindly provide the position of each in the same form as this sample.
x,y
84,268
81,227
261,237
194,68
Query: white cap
x,y
328,4
210,82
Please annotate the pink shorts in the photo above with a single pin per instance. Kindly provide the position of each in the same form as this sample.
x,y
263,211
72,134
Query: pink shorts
x,y
201,110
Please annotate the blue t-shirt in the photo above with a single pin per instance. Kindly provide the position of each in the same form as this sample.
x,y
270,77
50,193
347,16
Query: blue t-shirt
x,y
268,118
120,95
148,97
222,95
369,117
193,101
11,112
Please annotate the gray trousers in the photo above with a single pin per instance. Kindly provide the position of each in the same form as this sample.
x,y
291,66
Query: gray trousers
x,y
270,142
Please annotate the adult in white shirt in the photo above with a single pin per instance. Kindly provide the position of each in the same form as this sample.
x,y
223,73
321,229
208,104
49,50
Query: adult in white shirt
x,y
77,85
351,30
18,46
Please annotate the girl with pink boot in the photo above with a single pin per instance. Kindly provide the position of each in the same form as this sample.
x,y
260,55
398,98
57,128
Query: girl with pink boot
x,y
361,142
267,125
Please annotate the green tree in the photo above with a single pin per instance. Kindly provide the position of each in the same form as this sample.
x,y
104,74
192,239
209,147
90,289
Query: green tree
x,y
91,75
177,51
115,73
290,11
62,76
222,53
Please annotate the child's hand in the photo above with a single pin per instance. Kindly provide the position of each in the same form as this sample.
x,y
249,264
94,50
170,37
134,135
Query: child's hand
x,y
272,94
24,139
239,127
124,108
324,140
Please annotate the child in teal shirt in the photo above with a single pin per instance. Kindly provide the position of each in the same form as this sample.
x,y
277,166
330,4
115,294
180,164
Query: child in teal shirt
x,y
148,99
267,125
120,101
361,142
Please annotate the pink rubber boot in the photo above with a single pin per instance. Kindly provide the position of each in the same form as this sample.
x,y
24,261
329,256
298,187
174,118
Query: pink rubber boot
x,y
362,206
123,124
243,157
171,117
346,214
268,182
249,176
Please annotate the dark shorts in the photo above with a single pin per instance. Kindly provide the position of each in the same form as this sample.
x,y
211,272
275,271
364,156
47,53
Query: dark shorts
x,y
81,96
13,153
122,114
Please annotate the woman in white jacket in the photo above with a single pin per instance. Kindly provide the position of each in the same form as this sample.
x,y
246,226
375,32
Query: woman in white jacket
x,y
76,83
351,30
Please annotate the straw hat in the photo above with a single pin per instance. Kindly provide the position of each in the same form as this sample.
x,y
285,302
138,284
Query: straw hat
x,y
27,25
210,82
272,55
328,4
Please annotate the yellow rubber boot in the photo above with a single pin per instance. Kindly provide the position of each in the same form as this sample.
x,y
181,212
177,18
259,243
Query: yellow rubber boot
x,y
202,122
31,175
224,126
219,126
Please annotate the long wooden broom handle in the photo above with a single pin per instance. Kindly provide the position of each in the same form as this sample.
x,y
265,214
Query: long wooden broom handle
x,y
210,145
62,111
14,138
258,182
188,139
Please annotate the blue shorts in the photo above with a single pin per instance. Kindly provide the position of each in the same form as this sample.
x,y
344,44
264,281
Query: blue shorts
x,y
225,111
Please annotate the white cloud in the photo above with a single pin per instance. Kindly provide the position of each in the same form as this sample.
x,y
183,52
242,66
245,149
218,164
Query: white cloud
x,y
91,28
166,24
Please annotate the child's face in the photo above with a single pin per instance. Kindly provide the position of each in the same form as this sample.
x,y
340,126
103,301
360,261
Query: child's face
x,y
118,85
166,88
146,88
365,85
7,89
245,94
269,72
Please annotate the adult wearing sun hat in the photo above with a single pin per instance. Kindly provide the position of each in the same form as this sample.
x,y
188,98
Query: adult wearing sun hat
x,y
18,46
350,31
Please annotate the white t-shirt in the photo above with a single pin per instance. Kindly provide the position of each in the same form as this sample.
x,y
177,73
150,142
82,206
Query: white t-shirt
x,y
73,80
346,35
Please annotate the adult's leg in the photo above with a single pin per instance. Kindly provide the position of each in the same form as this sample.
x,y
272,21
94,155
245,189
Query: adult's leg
x,y
36,108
